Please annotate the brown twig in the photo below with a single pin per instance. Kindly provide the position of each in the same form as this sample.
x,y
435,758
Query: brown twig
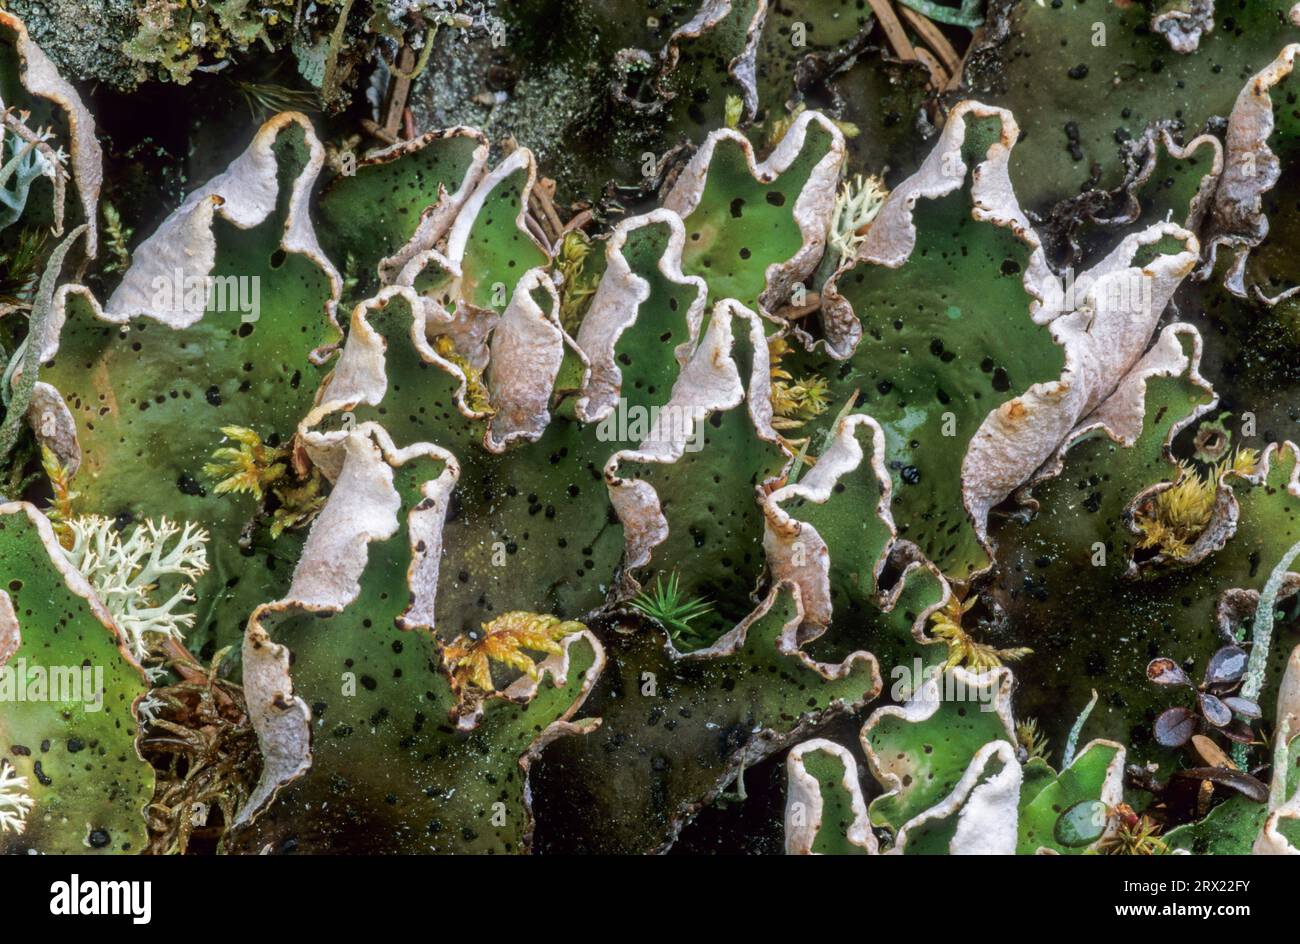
x,y
793,312
539,232
933,37
399,90
373,129
541,203
894,31
938,75
193,672
579,220
977,38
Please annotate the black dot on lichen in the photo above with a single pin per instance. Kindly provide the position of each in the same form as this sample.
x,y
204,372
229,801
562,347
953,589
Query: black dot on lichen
x,y
188,485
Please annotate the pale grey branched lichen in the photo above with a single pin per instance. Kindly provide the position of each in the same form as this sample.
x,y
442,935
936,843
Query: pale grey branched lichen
x,y
126,573
15,803
856,205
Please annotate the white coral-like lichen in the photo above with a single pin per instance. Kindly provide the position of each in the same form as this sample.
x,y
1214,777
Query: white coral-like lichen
x,y
148,709
125,574
14,801
856,205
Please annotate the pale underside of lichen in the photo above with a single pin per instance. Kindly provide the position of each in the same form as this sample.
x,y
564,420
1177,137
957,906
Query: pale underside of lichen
x,y
1236,221
804,803
812,208
742,67
986,800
